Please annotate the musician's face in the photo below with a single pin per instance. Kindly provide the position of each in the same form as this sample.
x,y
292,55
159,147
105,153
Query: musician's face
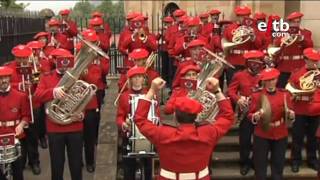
x,y
140,62
270,85
137,81
54,29
204,20
215,19
193,75
254,66
193,30
4,82
97,27
43,39
311,64
22,61
64,17
295,22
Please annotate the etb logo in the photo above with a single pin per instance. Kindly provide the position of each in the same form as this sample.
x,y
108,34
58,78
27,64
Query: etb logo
x,y
276,28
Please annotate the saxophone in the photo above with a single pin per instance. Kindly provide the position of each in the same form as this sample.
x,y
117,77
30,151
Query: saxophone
x,y
79,93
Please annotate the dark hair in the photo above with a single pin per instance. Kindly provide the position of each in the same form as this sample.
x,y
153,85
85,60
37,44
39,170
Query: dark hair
x,y
183,117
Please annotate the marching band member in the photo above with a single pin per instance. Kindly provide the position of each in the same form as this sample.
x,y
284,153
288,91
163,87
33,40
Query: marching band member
x,y
23,81
43,64
270,135
93,75
56,38
188,74
139,56
307,114
15,116
44,38
204,18
106,28
213,25
242,85
61,137
174,144
234,54
68,27
136,80
291,56
104,38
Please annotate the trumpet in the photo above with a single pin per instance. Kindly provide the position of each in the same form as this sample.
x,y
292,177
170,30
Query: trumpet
x,y
35,77
142,34
53,41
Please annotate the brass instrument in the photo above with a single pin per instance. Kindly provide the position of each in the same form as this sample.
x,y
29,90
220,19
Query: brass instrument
x,y
240,36
240,114
79,93
142,34
308,83
206,98
34,60
288,40
53,41
149,62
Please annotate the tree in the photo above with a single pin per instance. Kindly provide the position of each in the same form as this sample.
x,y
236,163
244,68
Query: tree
x,y
12,5
81,12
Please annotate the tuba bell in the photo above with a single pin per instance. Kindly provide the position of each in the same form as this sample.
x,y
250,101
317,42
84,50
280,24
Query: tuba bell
x,y
79,93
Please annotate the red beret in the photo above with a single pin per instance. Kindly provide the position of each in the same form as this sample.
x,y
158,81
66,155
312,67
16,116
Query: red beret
x,y
274,17
189,67
242,10
40,34
214,12
311,54
269,73
132,15
179,12
253,54
35,44
196,42
21,51
183,19
135,71
53,22
138,53
96,14
64,12
193,21
294,15
90,35
5,71
97,21
138,18
168,19
260,16
60,52
204,15
187,105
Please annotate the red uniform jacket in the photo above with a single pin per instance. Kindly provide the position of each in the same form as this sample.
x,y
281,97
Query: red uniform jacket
x,y
16,83
124,108
44,92
63,41
215,44
206,29
177,92
151,74
277,107
14,106
72,30
179,47
104,40
242,84
237,58
291,57
310,106
174,144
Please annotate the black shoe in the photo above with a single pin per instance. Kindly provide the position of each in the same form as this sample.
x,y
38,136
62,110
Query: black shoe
x,y
43,143
314,166
90,168
295,167
244,170
36,170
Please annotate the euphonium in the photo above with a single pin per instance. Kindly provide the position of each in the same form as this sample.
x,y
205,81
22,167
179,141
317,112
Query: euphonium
x,y
79,93
209,68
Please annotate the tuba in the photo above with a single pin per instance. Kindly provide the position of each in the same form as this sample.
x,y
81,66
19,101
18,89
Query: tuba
x,y
207,99
79,93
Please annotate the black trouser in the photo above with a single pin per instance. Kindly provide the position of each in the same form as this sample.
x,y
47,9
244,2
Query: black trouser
x,y
90,134
230,72
304,125
58,143
261,148
41,122
130,165
283,79
32,154
100,96
246,129
167,68
17,170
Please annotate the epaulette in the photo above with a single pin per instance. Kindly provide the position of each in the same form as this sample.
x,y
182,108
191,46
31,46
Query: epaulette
x,y
170,123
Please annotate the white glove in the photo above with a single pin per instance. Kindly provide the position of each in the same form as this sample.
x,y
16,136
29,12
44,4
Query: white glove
x,y
58,93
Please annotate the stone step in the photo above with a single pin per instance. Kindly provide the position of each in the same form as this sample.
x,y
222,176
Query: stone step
x,y
232,173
